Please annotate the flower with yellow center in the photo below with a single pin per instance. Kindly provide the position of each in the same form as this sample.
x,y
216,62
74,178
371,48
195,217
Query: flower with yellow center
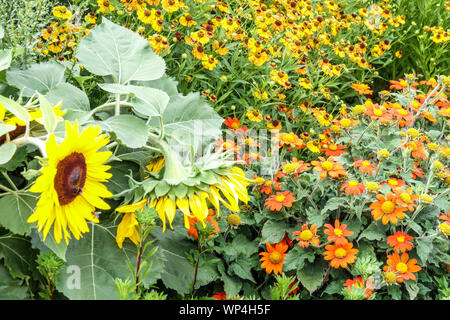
x,y
62,12
372,186
71,183
327,165
233,220
413,133
359,109
390,277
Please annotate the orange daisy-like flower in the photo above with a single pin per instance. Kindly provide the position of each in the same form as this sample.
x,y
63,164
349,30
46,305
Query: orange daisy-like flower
x,y
401,266
406,198
358,283
398,85
334,150
337,233
364,166
232,123
327,167
362,88
273,259
280,200
340,254
400,241
289,139
386,209
307,236
394,183
352,187
378,113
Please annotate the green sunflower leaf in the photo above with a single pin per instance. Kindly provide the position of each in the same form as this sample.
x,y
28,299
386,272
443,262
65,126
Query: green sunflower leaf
x,y
41,77
130,130
11,289
112,50
16,208
5,59
17,254
7,151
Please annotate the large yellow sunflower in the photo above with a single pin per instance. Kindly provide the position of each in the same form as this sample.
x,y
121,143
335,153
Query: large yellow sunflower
x,y
71,183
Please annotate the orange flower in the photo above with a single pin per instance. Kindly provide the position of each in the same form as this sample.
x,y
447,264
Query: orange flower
x,y
340,254
352,187
406,198
193,231
274,257
307,236
220,296
288,139
232,123
394,182
364,166
400,241
378,113
387,209
337,233
281,199
334,150
402,266
358,283
361,88
329,168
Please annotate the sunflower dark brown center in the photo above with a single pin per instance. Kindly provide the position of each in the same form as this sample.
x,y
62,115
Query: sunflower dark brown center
x,y
70,177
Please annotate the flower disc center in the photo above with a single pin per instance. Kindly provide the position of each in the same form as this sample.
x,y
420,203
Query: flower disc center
x,y
70,177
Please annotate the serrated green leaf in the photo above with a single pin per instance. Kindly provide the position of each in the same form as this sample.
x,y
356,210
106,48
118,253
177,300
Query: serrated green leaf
x,y
373,232
312,274
11,289
296,258
17,254
424,249
273,231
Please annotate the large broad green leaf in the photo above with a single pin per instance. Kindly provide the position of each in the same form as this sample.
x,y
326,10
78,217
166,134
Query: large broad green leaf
x,y
7,151
11,289
37,241
5,59
130,130
17,254
94,262
15,210
231,284
273,231
178,270
71,97
41,77
312,274
113,50
146,101
296,258
190,121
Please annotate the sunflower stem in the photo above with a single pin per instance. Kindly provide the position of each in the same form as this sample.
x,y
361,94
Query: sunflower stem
x,y
117,106
9,180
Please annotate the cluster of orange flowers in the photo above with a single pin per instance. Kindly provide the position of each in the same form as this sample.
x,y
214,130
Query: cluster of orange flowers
x,y
340,253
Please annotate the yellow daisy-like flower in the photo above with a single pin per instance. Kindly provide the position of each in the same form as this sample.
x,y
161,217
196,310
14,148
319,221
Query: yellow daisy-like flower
x,y
62,12
71,183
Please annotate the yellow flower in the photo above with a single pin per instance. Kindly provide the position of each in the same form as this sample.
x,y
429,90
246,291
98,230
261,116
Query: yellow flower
x,y
62,12
209,62
172,5
105,6
71,183
254,115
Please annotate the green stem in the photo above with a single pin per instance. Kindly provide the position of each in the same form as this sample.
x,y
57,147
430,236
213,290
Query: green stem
x,y
365,130
9,181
